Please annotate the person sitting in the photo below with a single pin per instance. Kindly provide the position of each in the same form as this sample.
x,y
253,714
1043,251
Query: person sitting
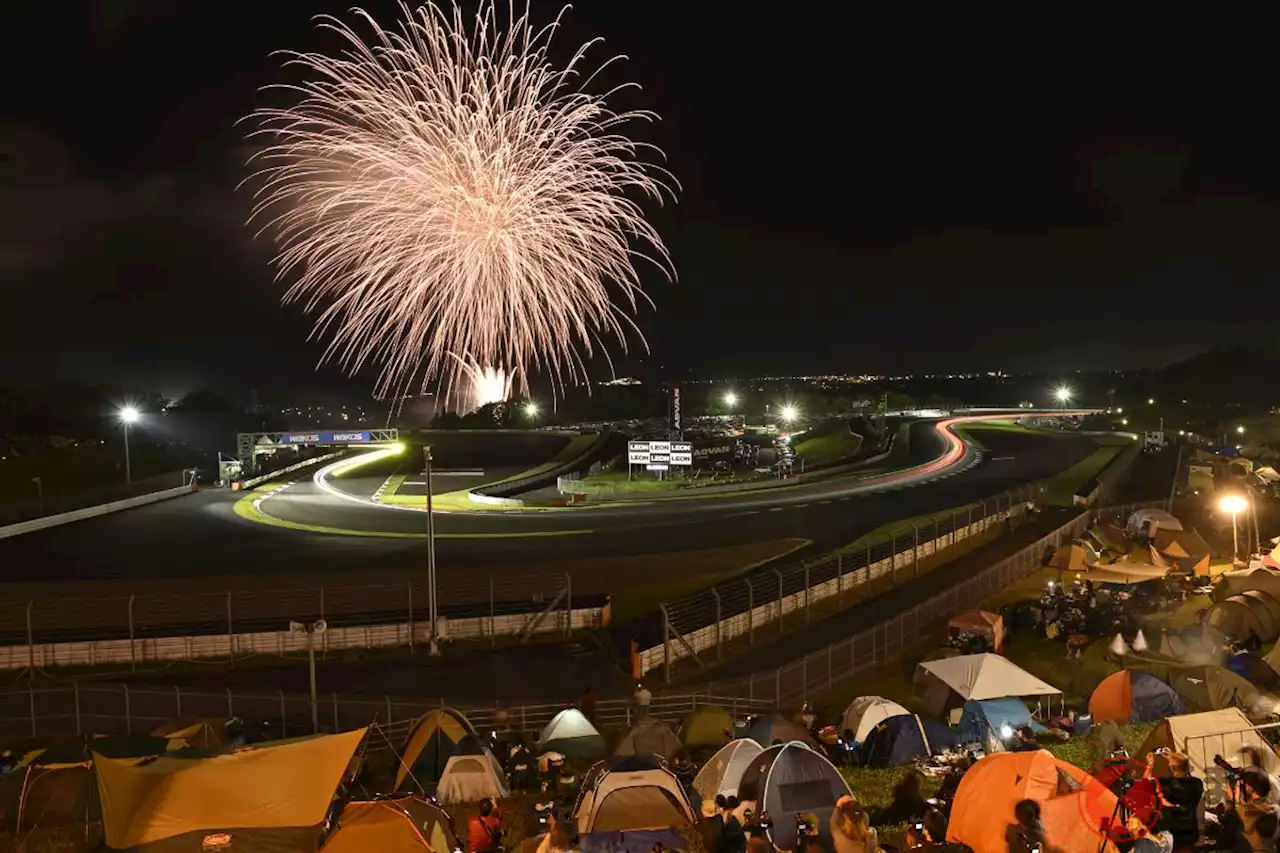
x,y
1026,833
908,802
1180,798
557,838
484,829
1251,824
951,780
1251,760
851,829
928,833
1025,740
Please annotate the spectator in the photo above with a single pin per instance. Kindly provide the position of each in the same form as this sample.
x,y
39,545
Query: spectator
x,y
1251,760
7,763
951,780
588,702
557,838
808,719
734,839
1026,833
642,699
1157,840
484,829
908,801
1250,826
929,833
851,830
1025,740
1181,795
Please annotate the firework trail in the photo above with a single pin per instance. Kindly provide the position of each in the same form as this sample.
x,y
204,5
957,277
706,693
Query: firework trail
x,y
446,196
487,384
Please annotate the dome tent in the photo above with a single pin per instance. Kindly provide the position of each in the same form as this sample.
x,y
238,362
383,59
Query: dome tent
x,y
431,741
1252,610
392,825
650,736
789,780
985,720
635,793
571,734
903,738
722,773
776,728
1254,669
471,775
1133,696
1210,688
989,790
865,713
709,725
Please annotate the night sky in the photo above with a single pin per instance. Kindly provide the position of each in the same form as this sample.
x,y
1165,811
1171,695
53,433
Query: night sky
x,y
858,194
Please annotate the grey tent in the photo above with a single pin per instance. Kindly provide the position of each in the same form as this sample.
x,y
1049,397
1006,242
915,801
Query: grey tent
x,y
571,734
650,737
788,780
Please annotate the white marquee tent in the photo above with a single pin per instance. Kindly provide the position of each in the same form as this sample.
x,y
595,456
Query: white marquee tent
x,y
954,681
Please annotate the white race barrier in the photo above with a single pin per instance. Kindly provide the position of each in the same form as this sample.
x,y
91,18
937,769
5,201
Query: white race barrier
x,y
297,466
92,512
284,642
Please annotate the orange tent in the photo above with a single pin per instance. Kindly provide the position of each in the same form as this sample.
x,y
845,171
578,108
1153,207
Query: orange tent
x,y
984,624
1069,798
1134,696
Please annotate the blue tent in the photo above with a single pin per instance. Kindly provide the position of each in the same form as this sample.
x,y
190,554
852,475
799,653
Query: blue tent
x,y
986,717
904,737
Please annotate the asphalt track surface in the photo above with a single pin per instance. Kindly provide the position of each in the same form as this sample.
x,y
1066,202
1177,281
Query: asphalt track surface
x,y
201,535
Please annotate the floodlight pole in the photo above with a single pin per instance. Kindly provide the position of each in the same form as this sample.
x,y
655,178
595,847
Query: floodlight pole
x,y
128,470
433,644
311,665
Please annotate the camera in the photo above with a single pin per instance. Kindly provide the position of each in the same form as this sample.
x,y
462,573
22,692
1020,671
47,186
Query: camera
x,y
1234,774
806,824
544,812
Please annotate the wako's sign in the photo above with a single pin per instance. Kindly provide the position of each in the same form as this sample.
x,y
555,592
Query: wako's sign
x,y
325,437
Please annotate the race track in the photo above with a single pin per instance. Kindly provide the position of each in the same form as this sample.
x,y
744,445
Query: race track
x,y
201,535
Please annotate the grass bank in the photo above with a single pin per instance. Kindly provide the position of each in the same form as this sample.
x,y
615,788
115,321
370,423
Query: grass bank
x,y
829,443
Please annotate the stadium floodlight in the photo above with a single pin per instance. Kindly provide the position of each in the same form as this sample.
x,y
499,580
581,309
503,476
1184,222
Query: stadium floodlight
x,y
730,399
128,415
789,413
531,409
1063,394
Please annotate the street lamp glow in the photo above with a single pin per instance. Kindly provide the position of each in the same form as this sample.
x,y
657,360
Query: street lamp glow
x,y
731,399
531,409
1151,401
1232,504
1063,394
1240,429
789,413
129,415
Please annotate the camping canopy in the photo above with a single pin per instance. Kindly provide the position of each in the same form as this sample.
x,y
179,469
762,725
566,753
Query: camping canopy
x,y
431,742
985,676
1134,696
788,780
273,796
471,775
1156,520
707,726
981,622
650,736
1211,688
208,735
722,773
1125,573
904,738
983,720
1074,557
865,712
638,793
571,734
990,789
774,728
400,825
1202,736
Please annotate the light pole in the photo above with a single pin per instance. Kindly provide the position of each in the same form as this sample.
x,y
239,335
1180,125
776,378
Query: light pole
x,y
530,410
731,400
39,494
433,645
1233,504
311,629
128,415
1063,395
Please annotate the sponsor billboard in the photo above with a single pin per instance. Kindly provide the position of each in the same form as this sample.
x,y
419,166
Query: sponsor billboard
x,y
325,437
659,453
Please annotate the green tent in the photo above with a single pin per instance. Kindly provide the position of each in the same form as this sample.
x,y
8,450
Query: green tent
x,y
707,726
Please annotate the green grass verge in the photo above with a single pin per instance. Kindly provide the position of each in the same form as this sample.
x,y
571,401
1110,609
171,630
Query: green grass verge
x,y
619,482
1061,488
888,532
829,445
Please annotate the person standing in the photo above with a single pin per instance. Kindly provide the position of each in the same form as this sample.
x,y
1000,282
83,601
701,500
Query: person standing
x,y
642,699
588,702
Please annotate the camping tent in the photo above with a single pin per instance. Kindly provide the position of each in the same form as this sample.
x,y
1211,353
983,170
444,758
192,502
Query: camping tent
x,y
774,728
399,825
636,793
788,780
1074,557
208,735
1126,572
274,796
1182,544
707,726
431,741
722,773
865,712
1253,610
982,623
1134,696
1202,736
650,736
984,720
49,795
985,676
1155,520
983,805
571,734
904,738
1254,669
1210,688
471,774
1242,580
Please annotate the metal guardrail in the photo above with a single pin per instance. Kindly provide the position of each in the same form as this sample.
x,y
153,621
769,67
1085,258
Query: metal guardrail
x,y
507,488
46,500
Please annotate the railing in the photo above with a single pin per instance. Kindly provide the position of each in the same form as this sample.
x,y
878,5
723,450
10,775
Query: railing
x,y
47,500
237,621
120,709
708,620
1201,749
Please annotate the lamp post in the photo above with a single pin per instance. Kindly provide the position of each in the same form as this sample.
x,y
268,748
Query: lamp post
x,y
128,415
530,410
1063,396
1233,504
433,645
731,400
311,629
39,494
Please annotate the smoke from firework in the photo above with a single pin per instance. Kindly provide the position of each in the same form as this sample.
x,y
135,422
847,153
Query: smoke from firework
x,y
446,196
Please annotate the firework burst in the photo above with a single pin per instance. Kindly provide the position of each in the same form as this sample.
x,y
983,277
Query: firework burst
x,y
446,198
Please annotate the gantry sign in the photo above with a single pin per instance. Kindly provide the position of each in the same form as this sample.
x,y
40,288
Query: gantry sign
x,y
250,444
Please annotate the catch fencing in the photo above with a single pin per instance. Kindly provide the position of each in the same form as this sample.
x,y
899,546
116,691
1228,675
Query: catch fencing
x,y
138,629
707,621
121,709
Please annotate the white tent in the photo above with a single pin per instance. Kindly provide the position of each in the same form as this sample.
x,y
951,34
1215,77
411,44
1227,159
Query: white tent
x,y
471,774
722,773
637,793
985,676
865,713
1202,736
570,733
1155,519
